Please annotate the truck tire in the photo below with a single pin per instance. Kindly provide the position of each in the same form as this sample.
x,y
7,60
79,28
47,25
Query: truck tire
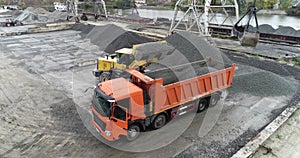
x,y
159,121
202,105
133,132
214,99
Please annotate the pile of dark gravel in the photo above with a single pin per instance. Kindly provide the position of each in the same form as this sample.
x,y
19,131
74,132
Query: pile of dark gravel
x,y
126,40
195,48
265,28
110,37
85,29
285,31
262,84
282,30
190,51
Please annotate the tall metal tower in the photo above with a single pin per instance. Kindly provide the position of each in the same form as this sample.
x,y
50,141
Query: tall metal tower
x,y
72,7
202,13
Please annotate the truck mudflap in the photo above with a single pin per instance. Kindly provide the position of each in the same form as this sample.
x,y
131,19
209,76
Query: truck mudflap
x,y
110,131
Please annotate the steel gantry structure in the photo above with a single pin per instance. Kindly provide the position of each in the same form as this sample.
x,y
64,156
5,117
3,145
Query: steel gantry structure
x,y
72,7
202,13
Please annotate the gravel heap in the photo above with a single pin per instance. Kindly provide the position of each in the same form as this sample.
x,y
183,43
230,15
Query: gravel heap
x,y
110,37
85,29
285,31
190,51
262,84
40,15
265,28
281,30
30,17
151,50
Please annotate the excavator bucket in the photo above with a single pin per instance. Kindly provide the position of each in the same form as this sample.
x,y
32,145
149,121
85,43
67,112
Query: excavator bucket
x,y
250,39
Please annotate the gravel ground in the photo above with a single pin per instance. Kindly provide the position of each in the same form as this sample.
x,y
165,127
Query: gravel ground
x,y
258,70
270,84
44,111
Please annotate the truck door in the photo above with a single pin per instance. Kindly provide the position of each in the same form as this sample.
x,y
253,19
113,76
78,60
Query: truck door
x,y
120,116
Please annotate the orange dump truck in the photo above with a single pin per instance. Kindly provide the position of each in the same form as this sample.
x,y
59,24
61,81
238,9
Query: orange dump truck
x,y
123,107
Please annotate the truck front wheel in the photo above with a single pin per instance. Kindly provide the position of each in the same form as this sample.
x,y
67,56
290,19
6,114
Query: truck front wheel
x,y
133,132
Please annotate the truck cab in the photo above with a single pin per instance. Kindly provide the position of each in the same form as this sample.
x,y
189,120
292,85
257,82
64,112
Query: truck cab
x,y
116,103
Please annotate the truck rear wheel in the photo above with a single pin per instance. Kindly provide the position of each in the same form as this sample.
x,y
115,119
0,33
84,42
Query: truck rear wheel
x,y
159,121
214,99
202,105
133,132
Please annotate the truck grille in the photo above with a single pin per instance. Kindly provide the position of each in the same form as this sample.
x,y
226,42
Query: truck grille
x,y
99,122
97,108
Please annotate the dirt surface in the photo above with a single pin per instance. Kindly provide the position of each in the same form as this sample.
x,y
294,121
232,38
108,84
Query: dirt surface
x,y
45,112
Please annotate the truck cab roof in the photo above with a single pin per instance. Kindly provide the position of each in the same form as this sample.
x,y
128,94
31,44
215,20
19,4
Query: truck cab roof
x,y
119,88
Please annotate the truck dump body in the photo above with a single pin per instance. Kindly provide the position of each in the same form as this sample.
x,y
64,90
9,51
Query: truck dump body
x,y
175,94
187,90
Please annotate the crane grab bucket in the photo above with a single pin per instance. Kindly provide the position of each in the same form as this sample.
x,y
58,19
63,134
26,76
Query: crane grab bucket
x,y
250,39
246,36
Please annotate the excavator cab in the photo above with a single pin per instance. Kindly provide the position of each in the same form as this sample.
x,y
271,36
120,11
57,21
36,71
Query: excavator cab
x,y
246,35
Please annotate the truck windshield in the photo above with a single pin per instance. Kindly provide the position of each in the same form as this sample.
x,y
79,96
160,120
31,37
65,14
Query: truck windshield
x,y
102,106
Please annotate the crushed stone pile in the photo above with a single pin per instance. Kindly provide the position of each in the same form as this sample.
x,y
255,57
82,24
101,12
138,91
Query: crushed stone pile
x,y
28,16
110,37
151,50
193,56
281,30
285,31
262,83
265,28
84,29
40,15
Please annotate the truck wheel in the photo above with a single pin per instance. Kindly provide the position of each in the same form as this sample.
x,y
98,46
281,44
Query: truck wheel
x,y
8,25
202,105
105,76
214,99
133,132
159,121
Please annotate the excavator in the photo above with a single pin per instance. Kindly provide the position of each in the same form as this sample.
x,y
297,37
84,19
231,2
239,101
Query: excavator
x,y
246,35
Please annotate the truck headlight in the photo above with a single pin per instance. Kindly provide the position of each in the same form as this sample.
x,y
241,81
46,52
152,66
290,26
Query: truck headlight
x,y
107,133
